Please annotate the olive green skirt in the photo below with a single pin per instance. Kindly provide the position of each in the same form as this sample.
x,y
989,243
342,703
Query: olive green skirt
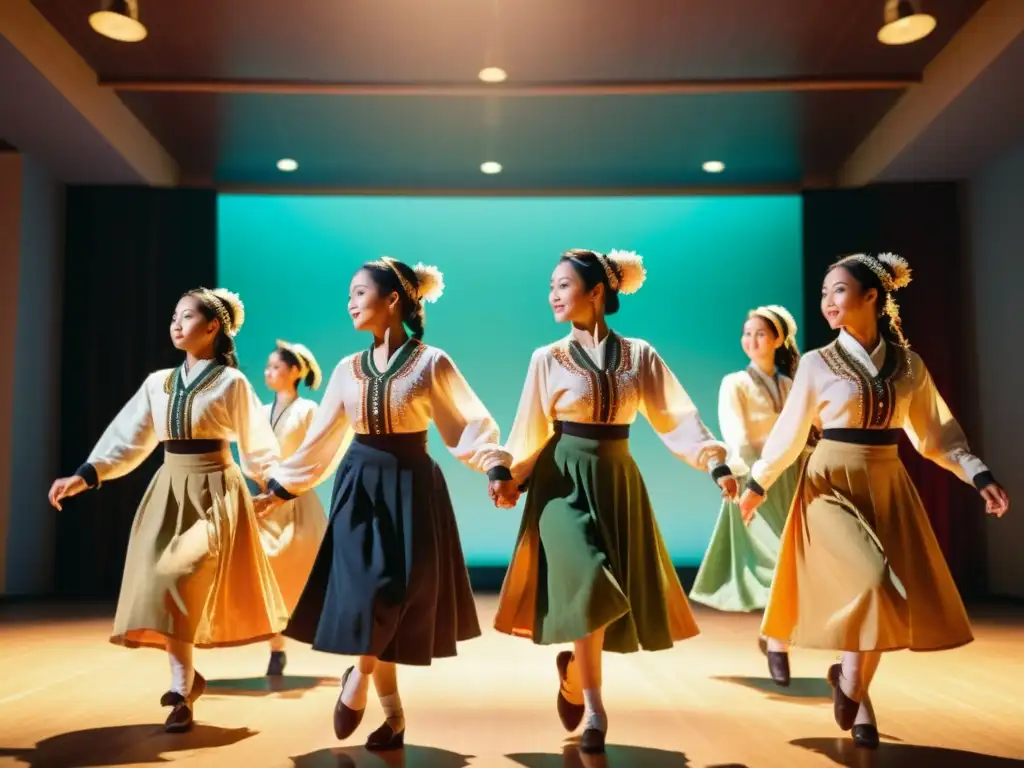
x,y
590,555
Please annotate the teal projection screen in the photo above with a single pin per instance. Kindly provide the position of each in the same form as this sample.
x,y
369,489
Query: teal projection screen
x,y
709,260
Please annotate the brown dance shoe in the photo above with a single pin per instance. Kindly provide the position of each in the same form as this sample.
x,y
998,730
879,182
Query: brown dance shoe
x,y
843,707
384,739
570,714
592,742
172,699
778,667
865,736
346,720
180,719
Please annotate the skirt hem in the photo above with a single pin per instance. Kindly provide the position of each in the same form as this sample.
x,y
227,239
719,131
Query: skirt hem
x,y
123,642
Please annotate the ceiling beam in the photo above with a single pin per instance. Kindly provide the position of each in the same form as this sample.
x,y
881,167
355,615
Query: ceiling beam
x,y
476,191
476,90
43,47
994,27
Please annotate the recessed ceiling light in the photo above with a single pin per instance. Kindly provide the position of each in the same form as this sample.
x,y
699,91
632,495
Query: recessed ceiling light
x,y
714,166
491,167
493,75
904,23
119,20
287,165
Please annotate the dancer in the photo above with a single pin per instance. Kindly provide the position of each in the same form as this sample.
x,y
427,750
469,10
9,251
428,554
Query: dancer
x,y
590,566
195,574
860,570
390,583
291,535
736,574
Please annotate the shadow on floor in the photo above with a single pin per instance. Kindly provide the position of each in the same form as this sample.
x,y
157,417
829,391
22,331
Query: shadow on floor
x,y
282,686
617,756
843,752
122,745
801,690
359,757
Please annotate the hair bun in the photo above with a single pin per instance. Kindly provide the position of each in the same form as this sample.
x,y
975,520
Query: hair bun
x,y
234,302
632,272
898,267
430,282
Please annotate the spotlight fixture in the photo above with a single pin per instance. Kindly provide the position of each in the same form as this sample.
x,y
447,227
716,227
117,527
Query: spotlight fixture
x,y
493,75
287,165
904,23
713,166
490,167
119,20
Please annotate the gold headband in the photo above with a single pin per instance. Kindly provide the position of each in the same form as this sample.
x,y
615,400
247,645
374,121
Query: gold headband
x,y
775,320
220,308
410,291
609,270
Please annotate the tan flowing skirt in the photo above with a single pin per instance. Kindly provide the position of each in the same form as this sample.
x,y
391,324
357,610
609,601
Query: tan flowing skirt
x,y
860,568
195,570
291,537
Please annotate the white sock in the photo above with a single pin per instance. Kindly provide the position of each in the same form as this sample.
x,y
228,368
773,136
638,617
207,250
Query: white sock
x,y
393,714
182,672
353,693
593,714
277,643
776,646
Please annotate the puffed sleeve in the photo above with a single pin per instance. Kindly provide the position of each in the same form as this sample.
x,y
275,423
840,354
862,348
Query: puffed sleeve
x,y
789,435
314,461
466,426
665,404
936,435
258,449
125,444
732,421
532,428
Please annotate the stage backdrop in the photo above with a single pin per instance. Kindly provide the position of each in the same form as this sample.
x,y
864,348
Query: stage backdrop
x,y
709,260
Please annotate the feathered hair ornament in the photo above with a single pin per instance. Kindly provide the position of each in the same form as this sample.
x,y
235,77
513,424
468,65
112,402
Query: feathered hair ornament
x,y
630,271
430,281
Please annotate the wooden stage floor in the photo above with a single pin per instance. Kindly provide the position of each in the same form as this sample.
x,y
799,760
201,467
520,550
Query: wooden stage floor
x,y
69,698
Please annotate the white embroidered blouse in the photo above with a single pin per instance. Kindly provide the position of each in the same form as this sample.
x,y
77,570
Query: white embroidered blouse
x,y
749,403
609,384
841,386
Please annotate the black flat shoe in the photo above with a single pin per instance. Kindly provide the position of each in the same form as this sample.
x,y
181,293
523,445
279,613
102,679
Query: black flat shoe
x,y
778,667
592,742
865,736
384,739
172,699
180,719
346,719
844,709
570,714
277,664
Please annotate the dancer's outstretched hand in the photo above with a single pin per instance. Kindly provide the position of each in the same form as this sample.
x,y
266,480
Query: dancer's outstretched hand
x,y
729,486
749,502
266,503
65,487
997,501
504,493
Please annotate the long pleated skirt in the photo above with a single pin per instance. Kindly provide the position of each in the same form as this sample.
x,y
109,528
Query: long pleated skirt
x,y
291,537
738,566
390,578
590,555
860,568
195,570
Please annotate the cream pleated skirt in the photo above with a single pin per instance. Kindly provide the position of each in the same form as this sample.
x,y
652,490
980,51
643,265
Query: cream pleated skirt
x,y
291,537
860,568
195,570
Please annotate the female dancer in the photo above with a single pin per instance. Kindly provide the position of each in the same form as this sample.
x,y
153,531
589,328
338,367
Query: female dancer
x,y
291,536
736,574
390,583
860,569
194,574
590,566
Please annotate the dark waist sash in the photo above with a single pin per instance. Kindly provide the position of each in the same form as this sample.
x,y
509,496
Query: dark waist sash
x,y
593,431
863,436
405,443
193,447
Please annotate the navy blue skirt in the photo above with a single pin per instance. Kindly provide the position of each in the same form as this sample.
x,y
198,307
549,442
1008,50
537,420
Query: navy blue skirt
x,y
390,579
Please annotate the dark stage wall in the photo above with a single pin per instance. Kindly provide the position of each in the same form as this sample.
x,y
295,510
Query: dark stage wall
x,y
132,252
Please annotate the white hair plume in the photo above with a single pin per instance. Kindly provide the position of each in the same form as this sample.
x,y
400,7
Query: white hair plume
x,y
430,280
234,302
900,269
630,266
